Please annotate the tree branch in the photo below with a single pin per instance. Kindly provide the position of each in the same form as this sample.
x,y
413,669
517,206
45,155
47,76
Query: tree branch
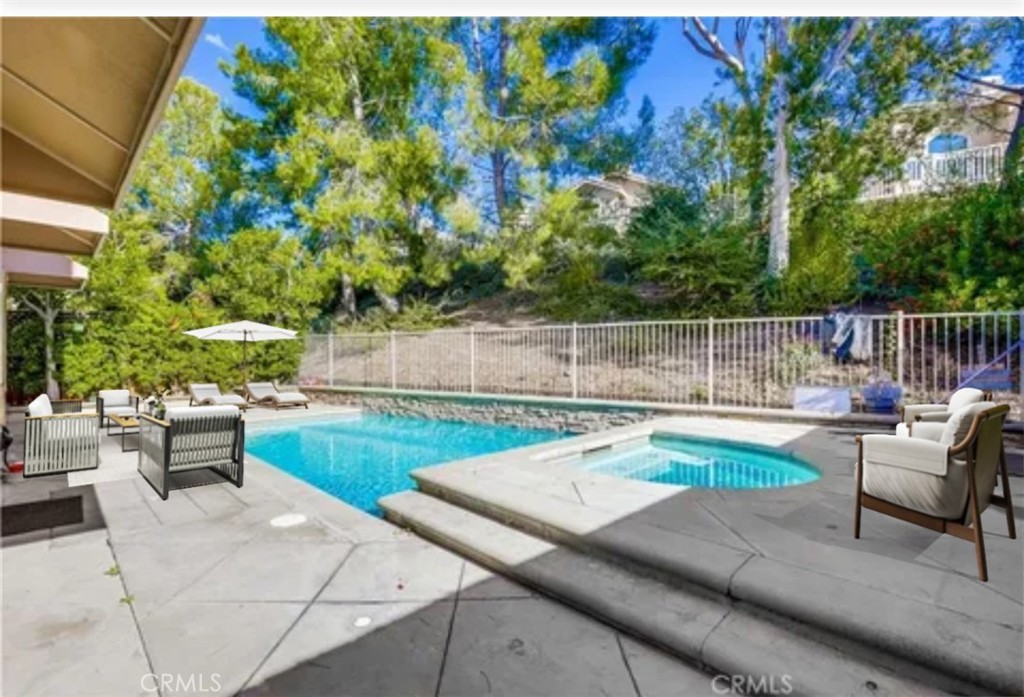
x,y
1001,88
838,54
712,46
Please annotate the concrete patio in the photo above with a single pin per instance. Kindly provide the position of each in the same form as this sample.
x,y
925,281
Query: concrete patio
x,y
901,593
203,594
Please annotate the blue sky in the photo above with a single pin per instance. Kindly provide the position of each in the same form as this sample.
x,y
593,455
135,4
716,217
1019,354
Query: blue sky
x,y
673,76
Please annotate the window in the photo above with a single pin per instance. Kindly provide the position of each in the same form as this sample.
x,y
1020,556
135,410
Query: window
x,y
947,142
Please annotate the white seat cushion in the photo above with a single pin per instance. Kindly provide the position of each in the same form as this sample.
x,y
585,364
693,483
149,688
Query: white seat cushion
x,y
291,397
964,396
226,399
115,398
959,424
118,411
902,430
193,412
40,406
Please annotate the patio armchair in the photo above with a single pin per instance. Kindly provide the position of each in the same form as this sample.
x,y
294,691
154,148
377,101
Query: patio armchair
x,y
188,439
942,477
115,403
909,413
266,393
59,441
208,393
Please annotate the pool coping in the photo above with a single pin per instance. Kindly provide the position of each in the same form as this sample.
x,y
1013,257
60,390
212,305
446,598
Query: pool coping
x,y
902,607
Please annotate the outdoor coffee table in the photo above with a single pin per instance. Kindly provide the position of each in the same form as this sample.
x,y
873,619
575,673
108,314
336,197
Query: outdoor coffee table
x,y
125,422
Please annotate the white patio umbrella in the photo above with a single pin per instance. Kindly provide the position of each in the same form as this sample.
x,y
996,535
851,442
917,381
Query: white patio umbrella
x,y
244,331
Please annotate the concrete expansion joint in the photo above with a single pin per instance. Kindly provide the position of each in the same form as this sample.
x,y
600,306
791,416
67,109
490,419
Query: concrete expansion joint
x,y
728,584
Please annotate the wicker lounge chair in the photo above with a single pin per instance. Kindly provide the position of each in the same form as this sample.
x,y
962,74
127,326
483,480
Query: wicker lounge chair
x,y
942,477
209,394
909,413
266,393
115,403
59,437
191,438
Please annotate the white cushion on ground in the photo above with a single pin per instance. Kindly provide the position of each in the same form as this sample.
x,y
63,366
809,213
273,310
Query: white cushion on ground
x,y
115,398
962,397
40,406
193,412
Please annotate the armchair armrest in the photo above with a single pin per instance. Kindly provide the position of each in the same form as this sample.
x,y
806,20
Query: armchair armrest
x,y
910,412
916,454
940,417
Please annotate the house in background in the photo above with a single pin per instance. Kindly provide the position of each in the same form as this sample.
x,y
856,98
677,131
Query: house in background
x,y
967,147
616,197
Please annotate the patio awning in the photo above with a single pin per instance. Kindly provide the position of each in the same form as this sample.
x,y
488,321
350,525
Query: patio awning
x,y
81,97
41,269
30,222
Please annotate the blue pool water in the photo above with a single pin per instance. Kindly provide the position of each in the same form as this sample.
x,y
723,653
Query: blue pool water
x,y
363,458
702,463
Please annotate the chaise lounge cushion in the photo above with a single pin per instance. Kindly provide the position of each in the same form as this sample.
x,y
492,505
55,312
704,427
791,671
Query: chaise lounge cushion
x,y
40,406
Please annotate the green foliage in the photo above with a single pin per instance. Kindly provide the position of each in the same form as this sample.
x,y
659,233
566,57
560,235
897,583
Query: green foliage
x,y
414,316
707,267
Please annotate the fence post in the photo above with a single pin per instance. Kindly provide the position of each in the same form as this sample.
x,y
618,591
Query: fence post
x,y
899,349
394,362
1020,353
575,363
330,359
472,359
711,361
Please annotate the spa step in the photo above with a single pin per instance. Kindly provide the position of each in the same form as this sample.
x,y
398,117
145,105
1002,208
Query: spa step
x,y
693,623
984,653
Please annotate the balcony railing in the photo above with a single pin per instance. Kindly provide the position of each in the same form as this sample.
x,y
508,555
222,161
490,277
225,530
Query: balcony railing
x,y
931,173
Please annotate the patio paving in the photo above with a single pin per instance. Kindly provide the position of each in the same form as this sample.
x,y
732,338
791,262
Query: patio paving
x,y
900,589
204,592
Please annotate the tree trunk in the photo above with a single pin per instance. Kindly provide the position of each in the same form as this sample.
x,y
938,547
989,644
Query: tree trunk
x,y
388,302
348,297
1014,155
49,319
499,160
778,234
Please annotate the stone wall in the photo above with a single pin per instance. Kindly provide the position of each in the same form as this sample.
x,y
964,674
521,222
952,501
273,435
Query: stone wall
x,y
488,411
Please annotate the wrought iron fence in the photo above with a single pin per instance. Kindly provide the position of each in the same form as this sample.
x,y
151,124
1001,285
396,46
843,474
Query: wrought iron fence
x,y
754,362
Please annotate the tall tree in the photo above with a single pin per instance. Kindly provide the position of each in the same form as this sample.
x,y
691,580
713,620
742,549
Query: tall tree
x,y
47,306
338,138
534,86
811,73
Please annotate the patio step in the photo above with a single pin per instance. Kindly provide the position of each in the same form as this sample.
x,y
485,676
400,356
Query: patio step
x,y
960,650
715,632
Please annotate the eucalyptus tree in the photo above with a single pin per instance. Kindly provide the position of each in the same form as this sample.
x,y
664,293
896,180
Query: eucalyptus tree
x,y
807,85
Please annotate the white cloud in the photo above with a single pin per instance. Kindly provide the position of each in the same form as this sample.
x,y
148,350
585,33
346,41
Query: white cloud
x,y
218,41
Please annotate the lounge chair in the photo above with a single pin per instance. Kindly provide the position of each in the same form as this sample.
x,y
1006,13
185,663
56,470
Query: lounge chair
x,y
942,477
909,413
191,438
208,394
67,441
115,403
266,393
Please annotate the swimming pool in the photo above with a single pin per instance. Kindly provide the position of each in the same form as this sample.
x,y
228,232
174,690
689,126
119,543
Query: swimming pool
x,y
360,459
700,462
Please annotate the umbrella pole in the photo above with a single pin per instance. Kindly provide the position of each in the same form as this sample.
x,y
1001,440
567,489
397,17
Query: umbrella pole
x,y
245,359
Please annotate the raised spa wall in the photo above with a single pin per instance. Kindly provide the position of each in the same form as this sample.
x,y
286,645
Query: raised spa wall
x,y
487,411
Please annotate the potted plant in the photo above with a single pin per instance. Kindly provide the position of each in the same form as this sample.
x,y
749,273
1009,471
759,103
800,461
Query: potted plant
x,y
155,405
